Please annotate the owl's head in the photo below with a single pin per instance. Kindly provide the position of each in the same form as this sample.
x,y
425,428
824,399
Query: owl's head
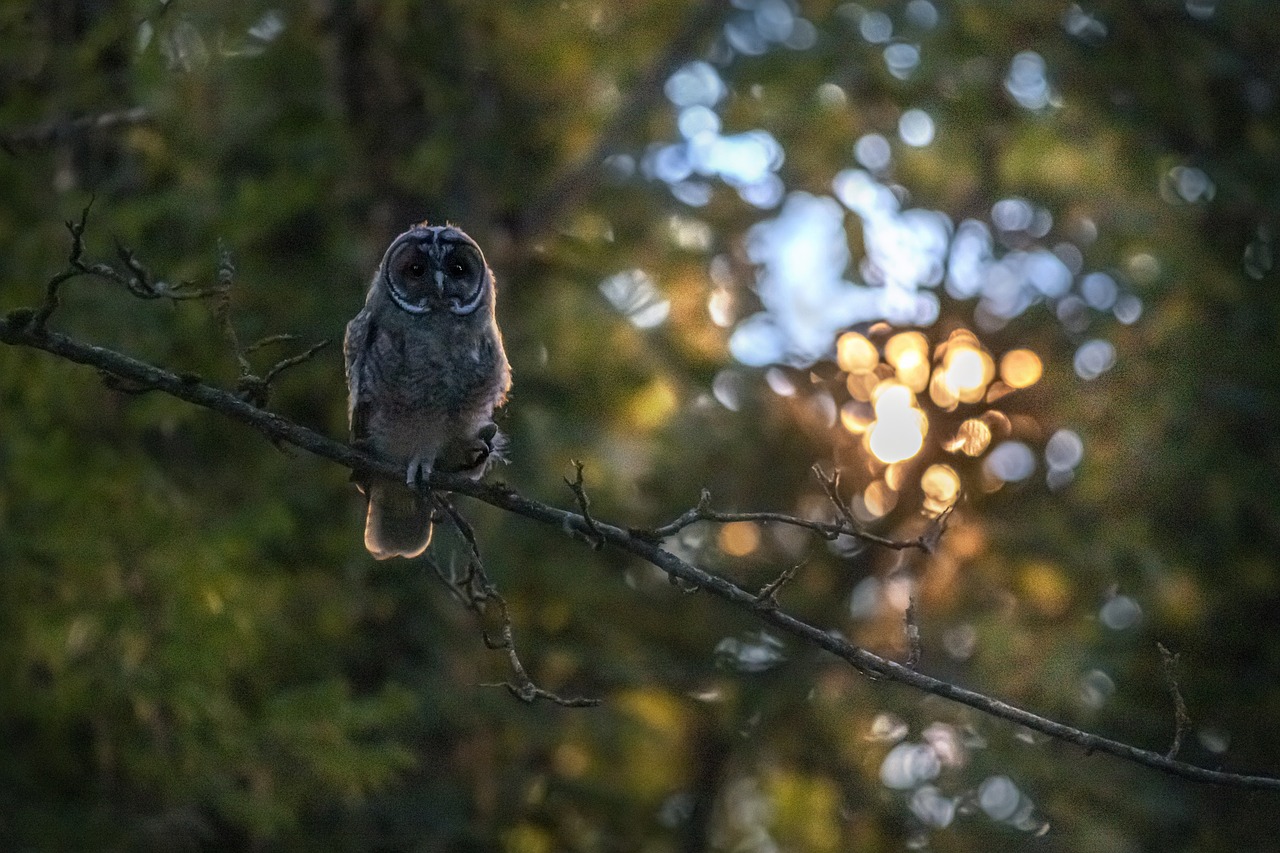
x,y
435,268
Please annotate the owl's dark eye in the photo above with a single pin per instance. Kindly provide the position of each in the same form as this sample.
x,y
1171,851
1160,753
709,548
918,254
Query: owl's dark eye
x,y
416,270
457,269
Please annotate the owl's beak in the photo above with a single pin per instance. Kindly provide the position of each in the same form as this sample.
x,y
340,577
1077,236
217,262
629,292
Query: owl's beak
x,y
440,282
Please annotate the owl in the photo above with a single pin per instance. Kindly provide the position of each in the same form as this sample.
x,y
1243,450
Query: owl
x,y
425,371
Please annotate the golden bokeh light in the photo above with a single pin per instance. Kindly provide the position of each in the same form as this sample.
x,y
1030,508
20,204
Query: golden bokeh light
x,y
1045,587
895,476
1021,368
878,499
571,760
862,384
941,487
899,430
966,371
890,396
857,416
739,538
856,354
896,440
652,406
972,438
720,307
941,394
998,389
908,352
906,347
998,421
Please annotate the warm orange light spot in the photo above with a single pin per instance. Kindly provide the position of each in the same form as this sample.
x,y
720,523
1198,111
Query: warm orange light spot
x,y
653,405
571,760
899,429
1180,598
906,348
856,354
967,371
720,307
972,438
896,440
998,421
1021,368
964,541
908,352
878,499
998,389
895,476
915,377
942,395
890,396
941,487
856,416
739,538
861,385
1045,588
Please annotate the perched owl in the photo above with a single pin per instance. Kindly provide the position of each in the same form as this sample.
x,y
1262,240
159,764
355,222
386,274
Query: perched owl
x,y
425,371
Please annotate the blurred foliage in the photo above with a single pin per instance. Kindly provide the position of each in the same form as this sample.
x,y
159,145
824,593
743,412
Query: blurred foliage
x,y
198,653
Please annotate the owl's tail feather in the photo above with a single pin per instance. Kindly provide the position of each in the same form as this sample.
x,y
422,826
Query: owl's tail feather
x,y
398,523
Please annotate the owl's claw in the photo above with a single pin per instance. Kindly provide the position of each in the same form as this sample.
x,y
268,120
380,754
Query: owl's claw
x,y
417,474
488,433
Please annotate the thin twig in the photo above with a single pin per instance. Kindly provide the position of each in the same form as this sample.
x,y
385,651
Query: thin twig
x,y
1181,719
75,267
479,593
767,598
932,534
250,386
826,529
912,627
285,363
138,281
584,506
831,486
269,340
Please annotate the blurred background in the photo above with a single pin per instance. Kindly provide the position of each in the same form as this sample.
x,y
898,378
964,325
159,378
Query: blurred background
x,y
1014,258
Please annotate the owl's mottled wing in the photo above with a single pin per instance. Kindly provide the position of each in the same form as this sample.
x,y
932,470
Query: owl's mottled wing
x,y
360,387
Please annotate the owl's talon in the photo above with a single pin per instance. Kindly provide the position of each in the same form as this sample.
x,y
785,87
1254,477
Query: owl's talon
x,y
417,474
486,438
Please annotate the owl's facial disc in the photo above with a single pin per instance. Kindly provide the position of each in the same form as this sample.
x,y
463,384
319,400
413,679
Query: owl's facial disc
x,y
429,269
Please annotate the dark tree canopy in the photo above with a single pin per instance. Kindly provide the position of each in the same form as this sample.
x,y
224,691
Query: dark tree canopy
x,y
1002,271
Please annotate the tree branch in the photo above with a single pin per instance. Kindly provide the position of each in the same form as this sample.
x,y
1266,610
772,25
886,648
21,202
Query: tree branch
x,y
477,593
828,530
52,132
18,329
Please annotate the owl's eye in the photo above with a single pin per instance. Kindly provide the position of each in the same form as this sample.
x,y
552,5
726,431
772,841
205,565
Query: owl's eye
x,y
416,270
457,269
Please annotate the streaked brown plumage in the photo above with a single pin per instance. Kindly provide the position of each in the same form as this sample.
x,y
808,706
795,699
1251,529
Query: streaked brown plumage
x,y
425,371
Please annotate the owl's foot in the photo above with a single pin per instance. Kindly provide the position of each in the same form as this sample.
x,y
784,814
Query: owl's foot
x,y
487,447
363,446
486,441
418,473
